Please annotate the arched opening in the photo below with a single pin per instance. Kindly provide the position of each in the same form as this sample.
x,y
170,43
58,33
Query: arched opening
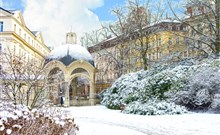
x,y
79,91
73,83
56,88
79,70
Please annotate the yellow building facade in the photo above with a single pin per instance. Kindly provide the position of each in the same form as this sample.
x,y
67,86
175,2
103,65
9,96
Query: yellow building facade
x,y
106,69
18,39
22,52
165,44
201,29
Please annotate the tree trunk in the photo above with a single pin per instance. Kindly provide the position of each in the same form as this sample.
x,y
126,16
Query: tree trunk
x,y
144,62
217,21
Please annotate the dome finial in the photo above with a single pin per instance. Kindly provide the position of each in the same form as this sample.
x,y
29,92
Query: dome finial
x,y
71,38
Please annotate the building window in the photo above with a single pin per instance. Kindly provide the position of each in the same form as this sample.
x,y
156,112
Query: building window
x,y
178,28
170,41
25,37
0,47
170,27
19,51
183,28
192,33
170,52
160,54
174,28
185,54
149,56
1,26
0,69
177,40
153,44
159,41
19,32
14,49
210,27
14,27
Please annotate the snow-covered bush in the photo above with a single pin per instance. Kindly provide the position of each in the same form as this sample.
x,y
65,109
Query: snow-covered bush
x,y
215,106
154,107
143,85
166,80
201,88
124,89
19,120
192,86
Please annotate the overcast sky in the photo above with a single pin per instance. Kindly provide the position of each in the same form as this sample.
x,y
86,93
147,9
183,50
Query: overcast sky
x,y
54,18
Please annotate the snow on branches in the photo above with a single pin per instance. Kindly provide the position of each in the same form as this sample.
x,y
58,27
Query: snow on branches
x,y
192,86
17,119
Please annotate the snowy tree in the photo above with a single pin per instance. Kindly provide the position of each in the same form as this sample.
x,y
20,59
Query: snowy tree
x,y
120,31
22,80
95,36
202,19
133,31
140,19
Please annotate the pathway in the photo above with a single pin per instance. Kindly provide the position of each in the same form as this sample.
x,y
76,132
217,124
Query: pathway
x,y
98,120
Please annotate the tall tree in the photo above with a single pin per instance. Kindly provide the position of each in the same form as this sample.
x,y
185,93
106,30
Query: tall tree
x,y
140,18
121,32
94,37
118,33
130,34
22,80
202,18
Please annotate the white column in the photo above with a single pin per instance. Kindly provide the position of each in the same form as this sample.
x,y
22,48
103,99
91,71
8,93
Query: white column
x,y
92,93
66,88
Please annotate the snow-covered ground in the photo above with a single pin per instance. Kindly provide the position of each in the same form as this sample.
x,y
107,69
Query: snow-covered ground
x,y
98,120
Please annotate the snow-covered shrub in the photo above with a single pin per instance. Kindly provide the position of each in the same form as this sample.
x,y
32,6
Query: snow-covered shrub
x,y
166,80
124,89
154,107
192,86
143,85
19,120
215,106
202,85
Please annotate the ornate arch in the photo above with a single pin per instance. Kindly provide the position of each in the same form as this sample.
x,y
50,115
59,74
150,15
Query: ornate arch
x,y
54,64
68,76
79,75
81,64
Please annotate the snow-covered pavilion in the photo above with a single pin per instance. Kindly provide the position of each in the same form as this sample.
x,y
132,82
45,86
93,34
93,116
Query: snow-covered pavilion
x,y
71,67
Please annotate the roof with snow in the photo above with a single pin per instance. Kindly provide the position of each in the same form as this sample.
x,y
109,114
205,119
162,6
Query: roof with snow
x,y
69,53
35,32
